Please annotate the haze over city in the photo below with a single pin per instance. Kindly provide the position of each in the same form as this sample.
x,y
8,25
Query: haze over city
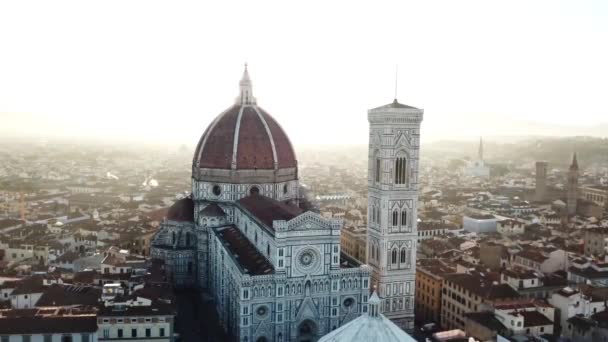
x,y
153,71
238,171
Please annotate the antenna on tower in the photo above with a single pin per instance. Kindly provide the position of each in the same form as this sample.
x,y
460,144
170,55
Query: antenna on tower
x,y
396,78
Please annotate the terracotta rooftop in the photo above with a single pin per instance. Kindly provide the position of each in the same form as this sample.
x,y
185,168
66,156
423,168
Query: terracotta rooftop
x,y
46,321
267,209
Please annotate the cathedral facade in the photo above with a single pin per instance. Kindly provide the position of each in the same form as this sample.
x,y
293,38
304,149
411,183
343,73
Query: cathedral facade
x,y
274,269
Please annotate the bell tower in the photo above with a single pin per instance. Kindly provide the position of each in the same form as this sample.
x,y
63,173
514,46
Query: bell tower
x,y
394,145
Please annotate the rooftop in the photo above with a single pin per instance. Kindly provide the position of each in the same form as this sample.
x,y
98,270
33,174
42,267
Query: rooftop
x,y
48,320
267,209
243,251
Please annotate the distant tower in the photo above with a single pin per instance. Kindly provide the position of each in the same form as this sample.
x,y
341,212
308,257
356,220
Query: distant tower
x,y
394,145
573,186
541,181
480,152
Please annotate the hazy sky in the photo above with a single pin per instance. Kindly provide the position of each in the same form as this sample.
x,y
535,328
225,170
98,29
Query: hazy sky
x,y
162,70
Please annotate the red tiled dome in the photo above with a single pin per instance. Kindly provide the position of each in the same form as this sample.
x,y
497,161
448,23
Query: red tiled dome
x,y
244,137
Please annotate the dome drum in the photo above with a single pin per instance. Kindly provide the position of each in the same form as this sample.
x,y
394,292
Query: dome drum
x,y
220,191
244,176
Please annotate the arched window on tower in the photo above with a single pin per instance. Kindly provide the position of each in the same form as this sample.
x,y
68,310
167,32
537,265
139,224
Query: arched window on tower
x,y
394,256
377,170
400,170
402,259
404,218
395,218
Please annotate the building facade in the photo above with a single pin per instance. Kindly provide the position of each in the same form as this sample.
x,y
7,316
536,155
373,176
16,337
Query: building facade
x,y
274,269
394,145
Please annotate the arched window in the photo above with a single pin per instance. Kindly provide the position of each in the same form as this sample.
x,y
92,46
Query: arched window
x,y
377,170
377,253
404,218
254,190
173,238
373,214
268,249
400,170
402,259
256,237
187,239
395,218
394,256
378,215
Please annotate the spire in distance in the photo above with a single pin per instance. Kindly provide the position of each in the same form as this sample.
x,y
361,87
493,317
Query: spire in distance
x,y
480,152
246,90
574,165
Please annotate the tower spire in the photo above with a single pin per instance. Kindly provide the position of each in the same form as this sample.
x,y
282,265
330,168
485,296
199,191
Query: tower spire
x,y
396,79
246,89
574,165
480,152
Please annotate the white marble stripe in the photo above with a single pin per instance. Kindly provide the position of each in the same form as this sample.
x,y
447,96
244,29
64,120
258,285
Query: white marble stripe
x,y
274,150
235,143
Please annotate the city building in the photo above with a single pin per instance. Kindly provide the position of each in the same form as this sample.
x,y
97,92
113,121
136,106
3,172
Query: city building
x,y
596,242
464,293
429,282
274,268
49,324
135,316
354,242
392,217
479,223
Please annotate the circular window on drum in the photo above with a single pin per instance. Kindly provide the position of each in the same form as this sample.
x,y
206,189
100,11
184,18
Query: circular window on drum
x,y
216,190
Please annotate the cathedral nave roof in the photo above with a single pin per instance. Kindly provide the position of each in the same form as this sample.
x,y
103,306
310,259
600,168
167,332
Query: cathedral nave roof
x,y
244,252
267,209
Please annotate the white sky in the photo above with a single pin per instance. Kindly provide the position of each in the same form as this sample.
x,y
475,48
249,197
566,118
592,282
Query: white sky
x,y
162,70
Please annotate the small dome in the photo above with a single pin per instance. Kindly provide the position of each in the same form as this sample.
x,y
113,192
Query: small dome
x,y
369,327
182,210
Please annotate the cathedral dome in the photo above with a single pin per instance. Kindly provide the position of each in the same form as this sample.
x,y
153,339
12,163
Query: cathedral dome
x,y
182,210
244,137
